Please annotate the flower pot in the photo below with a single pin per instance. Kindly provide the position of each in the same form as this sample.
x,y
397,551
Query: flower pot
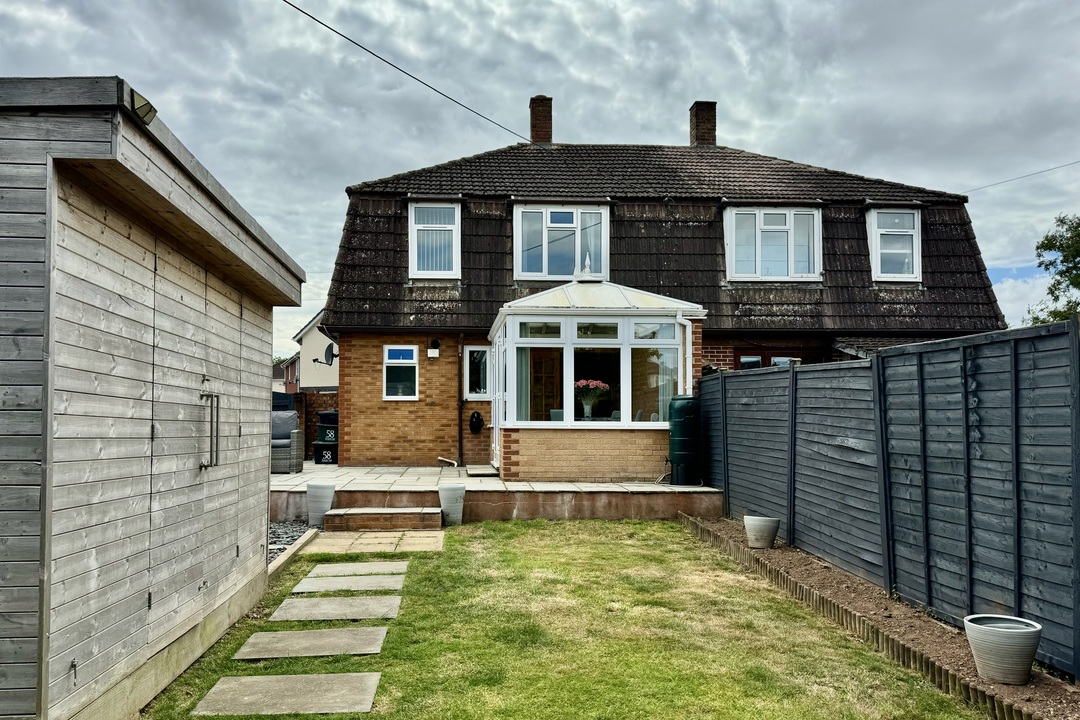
x,y
320,498
1003,646
760,531
452,500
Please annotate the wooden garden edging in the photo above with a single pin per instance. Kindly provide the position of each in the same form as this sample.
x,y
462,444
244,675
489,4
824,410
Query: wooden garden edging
x,y
945,679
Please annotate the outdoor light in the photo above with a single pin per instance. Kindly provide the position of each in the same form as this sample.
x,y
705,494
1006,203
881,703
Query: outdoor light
x,y
143,108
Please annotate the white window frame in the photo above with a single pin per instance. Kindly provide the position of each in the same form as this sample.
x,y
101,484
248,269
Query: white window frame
x,y
467,376
874,234
455,272
729,243
605,240
414,363
568,341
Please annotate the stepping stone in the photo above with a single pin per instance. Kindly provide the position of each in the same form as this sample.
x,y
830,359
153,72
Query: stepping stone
x,y
283,694
312,643
349,582
360,568
340,608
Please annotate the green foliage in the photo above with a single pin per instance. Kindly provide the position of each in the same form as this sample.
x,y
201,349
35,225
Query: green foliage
x,y
1059,254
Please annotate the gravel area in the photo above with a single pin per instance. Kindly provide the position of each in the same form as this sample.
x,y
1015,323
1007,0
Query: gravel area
x,y
282,535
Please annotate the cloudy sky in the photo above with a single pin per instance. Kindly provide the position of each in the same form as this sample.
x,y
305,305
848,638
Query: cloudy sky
x,y
947,94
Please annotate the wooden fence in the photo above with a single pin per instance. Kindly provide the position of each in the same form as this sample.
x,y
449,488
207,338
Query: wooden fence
x,y
945,472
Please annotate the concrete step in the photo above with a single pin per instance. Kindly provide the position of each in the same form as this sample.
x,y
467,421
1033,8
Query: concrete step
x,y
382,518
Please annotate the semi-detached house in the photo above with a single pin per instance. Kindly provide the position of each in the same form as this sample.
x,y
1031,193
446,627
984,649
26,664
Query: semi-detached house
x,y
472,299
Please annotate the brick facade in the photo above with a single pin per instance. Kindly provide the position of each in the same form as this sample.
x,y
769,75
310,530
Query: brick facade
x,y
405,432
582,455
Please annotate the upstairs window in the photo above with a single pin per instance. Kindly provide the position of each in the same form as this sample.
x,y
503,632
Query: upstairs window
x,y
895,244
434,240
557,242
773,243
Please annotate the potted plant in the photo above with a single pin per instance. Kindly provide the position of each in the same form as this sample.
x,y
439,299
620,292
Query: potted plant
x,y
1003,646
589,392
760,531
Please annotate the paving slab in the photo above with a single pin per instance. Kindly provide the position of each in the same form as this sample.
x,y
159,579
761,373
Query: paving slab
x,y
338,608
284,694
312,643
358,568
349,582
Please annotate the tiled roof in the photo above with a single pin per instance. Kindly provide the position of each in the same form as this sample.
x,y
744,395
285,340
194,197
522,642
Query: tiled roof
x,y
643,171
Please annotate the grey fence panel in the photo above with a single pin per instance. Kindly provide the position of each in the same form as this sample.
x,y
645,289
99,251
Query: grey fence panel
x,y
837,508
711,394
756,441
968,450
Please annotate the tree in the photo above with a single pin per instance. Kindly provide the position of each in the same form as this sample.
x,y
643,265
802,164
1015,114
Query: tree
x,y
1059,254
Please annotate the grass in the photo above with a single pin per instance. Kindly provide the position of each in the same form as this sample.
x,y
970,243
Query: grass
x,y
591,620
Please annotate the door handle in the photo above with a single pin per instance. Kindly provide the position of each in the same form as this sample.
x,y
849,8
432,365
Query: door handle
x,y
215,430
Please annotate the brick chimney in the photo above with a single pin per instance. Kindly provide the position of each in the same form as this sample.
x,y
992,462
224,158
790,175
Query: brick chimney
x,y
703,123
540,119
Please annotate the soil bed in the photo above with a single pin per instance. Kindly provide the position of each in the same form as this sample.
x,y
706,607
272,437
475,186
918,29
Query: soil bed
x,y
1044,695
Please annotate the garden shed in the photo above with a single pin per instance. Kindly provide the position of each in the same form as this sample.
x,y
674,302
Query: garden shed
x,y
136,301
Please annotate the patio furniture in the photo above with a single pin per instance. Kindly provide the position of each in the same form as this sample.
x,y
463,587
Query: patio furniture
x,y
286,442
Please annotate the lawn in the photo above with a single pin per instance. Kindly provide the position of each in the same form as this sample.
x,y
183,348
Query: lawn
x,y
589,619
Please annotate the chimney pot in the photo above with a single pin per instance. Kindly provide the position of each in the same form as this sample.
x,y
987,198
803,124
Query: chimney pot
x,y
703,123
540,119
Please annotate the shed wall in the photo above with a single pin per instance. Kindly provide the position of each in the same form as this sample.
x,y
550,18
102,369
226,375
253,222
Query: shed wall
x,y
25,141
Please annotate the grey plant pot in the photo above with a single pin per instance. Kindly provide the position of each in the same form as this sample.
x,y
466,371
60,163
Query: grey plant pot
x,y
452,500
320,498
760,531
1003,646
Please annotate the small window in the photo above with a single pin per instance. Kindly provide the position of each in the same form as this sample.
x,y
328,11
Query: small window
x,y
895,244
477,373
549,330
560,242
773,243
400,371
654,331
598,331
434,240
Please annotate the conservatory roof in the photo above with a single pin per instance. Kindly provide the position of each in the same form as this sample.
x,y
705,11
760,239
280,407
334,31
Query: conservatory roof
x,y
583,297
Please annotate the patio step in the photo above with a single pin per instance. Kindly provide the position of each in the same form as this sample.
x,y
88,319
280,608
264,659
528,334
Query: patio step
x,y
382,518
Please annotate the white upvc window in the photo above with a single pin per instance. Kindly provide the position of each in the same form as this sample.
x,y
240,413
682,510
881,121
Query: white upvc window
x,y
773,243
477,372
401,372
434,240
557,242
895,243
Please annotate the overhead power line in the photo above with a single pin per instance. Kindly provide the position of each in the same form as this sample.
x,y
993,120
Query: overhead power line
x,y
405,72
1021,177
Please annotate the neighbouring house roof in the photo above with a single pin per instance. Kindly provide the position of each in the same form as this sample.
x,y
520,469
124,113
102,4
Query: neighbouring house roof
x,y
310,324
643,171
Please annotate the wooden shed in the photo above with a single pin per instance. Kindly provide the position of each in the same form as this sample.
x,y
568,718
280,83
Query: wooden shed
x,y
136,302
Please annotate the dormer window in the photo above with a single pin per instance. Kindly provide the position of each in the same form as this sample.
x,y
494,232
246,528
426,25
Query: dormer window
x,y
434,240
895,243
773,243
557,242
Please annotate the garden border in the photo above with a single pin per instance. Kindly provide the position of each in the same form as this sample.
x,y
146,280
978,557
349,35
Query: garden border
x,y
944,679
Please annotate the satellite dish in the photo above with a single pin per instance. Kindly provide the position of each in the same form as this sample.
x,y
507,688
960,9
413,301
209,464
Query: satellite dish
x,y
329,355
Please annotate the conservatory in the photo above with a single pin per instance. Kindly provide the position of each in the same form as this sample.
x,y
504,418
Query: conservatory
x,y
589,355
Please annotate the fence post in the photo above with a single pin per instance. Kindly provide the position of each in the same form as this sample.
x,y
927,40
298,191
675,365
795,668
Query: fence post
x,y
723,460
1014,406
792,389
877,375
1074,404
964,434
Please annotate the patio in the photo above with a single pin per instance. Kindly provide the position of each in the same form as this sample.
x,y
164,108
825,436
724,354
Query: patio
x,y
489,498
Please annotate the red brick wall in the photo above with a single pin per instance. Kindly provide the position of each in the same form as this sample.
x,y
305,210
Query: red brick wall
x,y
721,355
405,432
573,455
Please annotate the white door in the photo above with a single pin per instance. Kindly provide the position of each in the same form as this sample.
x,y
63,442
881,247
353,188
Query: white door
x,y
498,380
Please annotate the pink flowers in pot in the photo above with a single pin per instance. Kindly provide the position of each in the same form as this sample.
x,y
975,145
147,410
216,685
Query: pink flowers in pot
x,y
589,391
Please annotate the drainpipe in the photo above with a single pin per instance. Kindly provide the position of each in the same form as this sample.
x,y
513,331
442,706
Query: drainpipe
x,y
688,344
460,399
